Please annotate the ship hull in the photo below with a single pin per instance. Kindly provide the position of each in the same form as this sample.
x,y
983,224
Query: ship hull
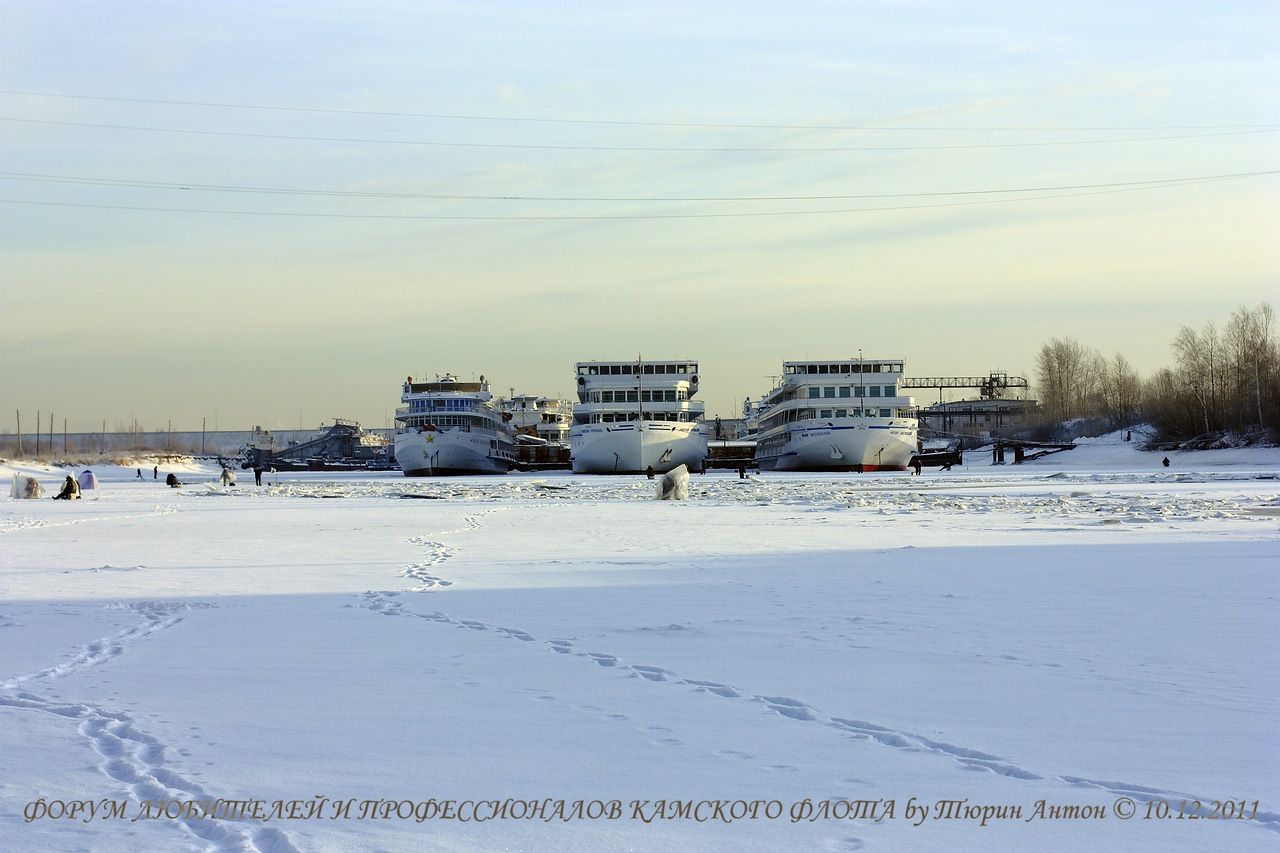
x,y
841,444
637,446
442,453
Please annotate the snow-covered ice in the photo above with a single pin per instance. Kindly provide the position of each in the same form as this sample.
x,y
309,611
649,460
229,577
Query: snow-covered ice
x,y
1080,632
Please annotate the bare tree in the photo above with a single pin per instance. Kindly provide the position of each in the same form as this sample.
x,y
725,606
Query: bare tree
x,y
1201,370
1069,376
1253,358
1223,382
1120,391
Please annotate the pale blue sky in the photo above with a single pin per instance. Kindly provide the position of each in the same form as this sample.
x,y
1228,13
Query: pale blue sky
x,y
276,211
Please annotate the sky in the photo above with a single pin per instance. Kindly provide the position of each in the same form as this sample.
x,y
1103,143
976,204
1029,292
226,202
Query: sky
x,y
271,213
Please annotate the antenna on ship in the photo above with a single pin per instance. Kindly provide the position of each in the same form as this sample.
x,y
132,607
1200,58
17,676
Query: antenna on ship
x,y
862,377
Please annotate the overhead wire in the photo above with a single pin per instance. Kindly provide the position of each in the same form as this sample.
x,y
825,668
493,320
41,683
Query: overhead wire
x,y
714,215
186,186
610,122
1046,192
784,149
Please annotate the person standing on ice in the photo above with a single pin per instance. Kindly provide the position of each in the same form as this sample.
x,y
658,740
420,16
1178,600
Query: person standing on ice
x,y
257,475
228,478
155,473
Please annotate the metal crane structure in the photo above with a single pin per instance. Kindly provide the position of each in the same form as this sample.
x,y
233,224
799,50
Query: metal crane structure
x,y
989,416
990,387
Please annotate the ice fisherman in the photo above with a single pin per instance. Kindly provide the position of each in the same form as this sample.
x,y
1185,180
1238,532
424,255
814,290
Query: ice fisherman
x,y
172,481
70,490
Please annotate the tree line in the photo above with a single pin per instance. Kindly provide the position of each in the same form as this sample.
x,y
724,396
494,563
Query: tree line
x,y
1224,381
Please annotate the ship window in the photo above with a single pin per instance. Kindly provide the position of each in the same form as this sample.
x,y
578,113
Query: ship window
x,y
857,392
606,396
890,390
648,369
875,390
790,370
842,413
825,413
671,396
829,391
844,391
823,368
632,397
814,392
884,413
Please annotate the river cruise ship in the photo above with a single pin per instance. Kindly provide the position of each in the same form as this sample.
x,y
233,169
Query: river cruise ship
x,y
537,420
448,427
637,417
843,415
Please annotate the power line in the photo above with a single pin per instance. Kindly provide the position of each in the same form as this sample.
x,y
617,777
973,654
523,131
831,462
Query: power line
x,y
651,149
640,216
133,184
607,122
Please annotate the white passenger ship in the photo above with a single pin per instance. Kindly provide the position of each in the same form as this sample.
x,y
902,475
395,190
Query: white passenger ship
x,y
637,416
448,427
837,416
537,420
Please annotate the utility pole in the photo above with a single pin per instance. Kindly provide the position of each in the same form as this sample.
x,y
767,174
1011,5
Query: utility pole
x,y
18,412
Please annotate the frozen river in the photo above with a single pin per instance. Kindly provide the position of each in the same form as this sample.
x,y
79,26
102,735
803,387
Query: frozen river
x,y
1079,653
